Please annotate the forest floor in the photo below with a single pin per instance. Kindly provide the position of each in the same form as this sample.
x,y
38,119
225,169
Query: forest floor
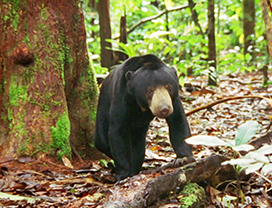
x,y
43,182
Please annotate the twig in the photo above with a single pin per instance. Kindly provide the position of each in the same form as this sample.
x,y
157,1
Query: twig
x,y
209,105
265,178
147,19
9,160
59,166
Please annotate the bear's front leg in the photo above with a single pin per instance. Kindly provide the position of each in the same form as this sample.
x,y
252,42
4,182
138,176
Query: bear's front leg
x,y
120,144
138,148
179,130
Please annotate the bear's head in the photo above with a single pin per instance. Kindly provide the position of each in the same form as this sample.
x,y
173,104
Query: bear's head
x,y
155,87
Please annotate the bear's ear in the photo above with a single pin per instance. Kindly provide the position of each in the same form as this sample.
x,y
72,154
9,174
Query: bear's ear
x,y
128,75
174,69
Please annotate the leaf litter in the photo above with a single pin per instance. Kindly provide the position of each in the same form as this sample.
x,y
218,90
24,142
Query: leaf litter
x,y
44,182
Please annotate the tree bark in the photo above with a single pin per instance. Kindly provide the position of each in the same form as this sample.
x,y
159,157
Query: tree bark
x,y
47,87
105,33
123,38
248,25
211,45
266,7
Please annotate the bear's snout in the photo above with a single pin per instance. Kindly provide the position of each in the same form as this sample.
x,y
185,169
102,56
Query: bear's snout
x,y
164,111
161,103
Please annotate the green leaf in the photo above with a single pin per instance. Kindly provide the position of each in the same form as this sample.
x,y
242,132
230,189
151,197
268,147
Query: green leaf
x,y
267,168
243,162
168,3
253,167
159,33
103,162
229,198
257,156
230,142
124,48
206,140
265,150
245,132
243,147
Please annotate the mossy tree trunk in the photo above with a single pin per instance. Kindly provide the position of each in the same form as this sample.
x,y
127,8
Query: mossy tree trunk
x,y
47,86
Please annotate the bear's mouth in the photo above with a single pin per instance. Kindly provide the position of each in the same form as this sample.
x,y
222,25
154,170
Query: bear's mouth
x,y
161,103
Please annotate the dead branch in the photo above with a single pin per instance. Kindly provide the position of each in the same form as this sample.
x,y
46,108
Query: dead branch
x,y
144,189
147,19
9,160
209,105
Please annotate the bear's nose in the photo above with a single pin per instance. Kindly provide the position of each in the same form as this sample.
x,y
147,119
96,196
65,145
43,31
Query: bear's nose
x,y
164,111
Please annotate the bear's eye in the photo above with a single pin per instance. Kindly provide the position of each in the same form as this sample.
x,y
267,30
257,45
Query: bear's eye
x,y
149,92
169,88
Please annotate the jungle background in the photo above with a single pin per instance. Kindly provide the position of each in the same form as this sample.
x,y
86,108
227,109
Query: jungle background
x,y
221,52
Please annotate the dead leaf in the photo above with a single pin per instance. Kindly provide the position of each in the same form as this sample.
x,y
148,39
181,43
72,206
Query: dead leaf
x,y
95,197
156,148
67,162
269,100
25,159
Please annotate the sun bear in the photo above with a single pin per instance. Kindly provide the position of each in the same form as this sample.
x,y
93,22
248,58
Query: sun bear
x,y
131,95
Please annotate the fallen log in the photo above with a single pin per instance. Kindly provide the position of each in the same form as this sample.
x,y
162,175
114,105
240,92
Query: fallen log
x,y
144,189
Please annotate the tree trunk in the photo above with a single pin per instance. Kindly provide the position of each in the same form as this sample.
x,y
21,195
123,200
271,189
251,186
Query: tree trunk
x,y
266,7
248,25
47,87
105,33
211,46
123,38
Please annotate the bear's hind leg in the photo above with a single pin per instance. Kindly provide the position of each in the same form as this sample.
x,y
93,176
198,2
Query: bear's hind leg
x,y
101,135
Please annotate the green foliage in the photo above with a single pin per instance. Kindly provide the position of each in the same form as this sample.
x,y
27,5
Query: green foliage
x,y
182,45
244,134
124,48
253,160
103,162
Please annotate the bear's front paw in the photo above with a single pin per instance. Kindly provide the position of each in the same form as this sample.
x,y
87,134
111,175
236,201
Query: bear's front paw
x,y
123,174
178,162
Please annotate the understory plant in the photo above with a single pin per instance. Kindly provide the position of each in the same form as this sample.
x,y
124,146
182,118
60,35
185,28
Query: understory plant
x,y
253,160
